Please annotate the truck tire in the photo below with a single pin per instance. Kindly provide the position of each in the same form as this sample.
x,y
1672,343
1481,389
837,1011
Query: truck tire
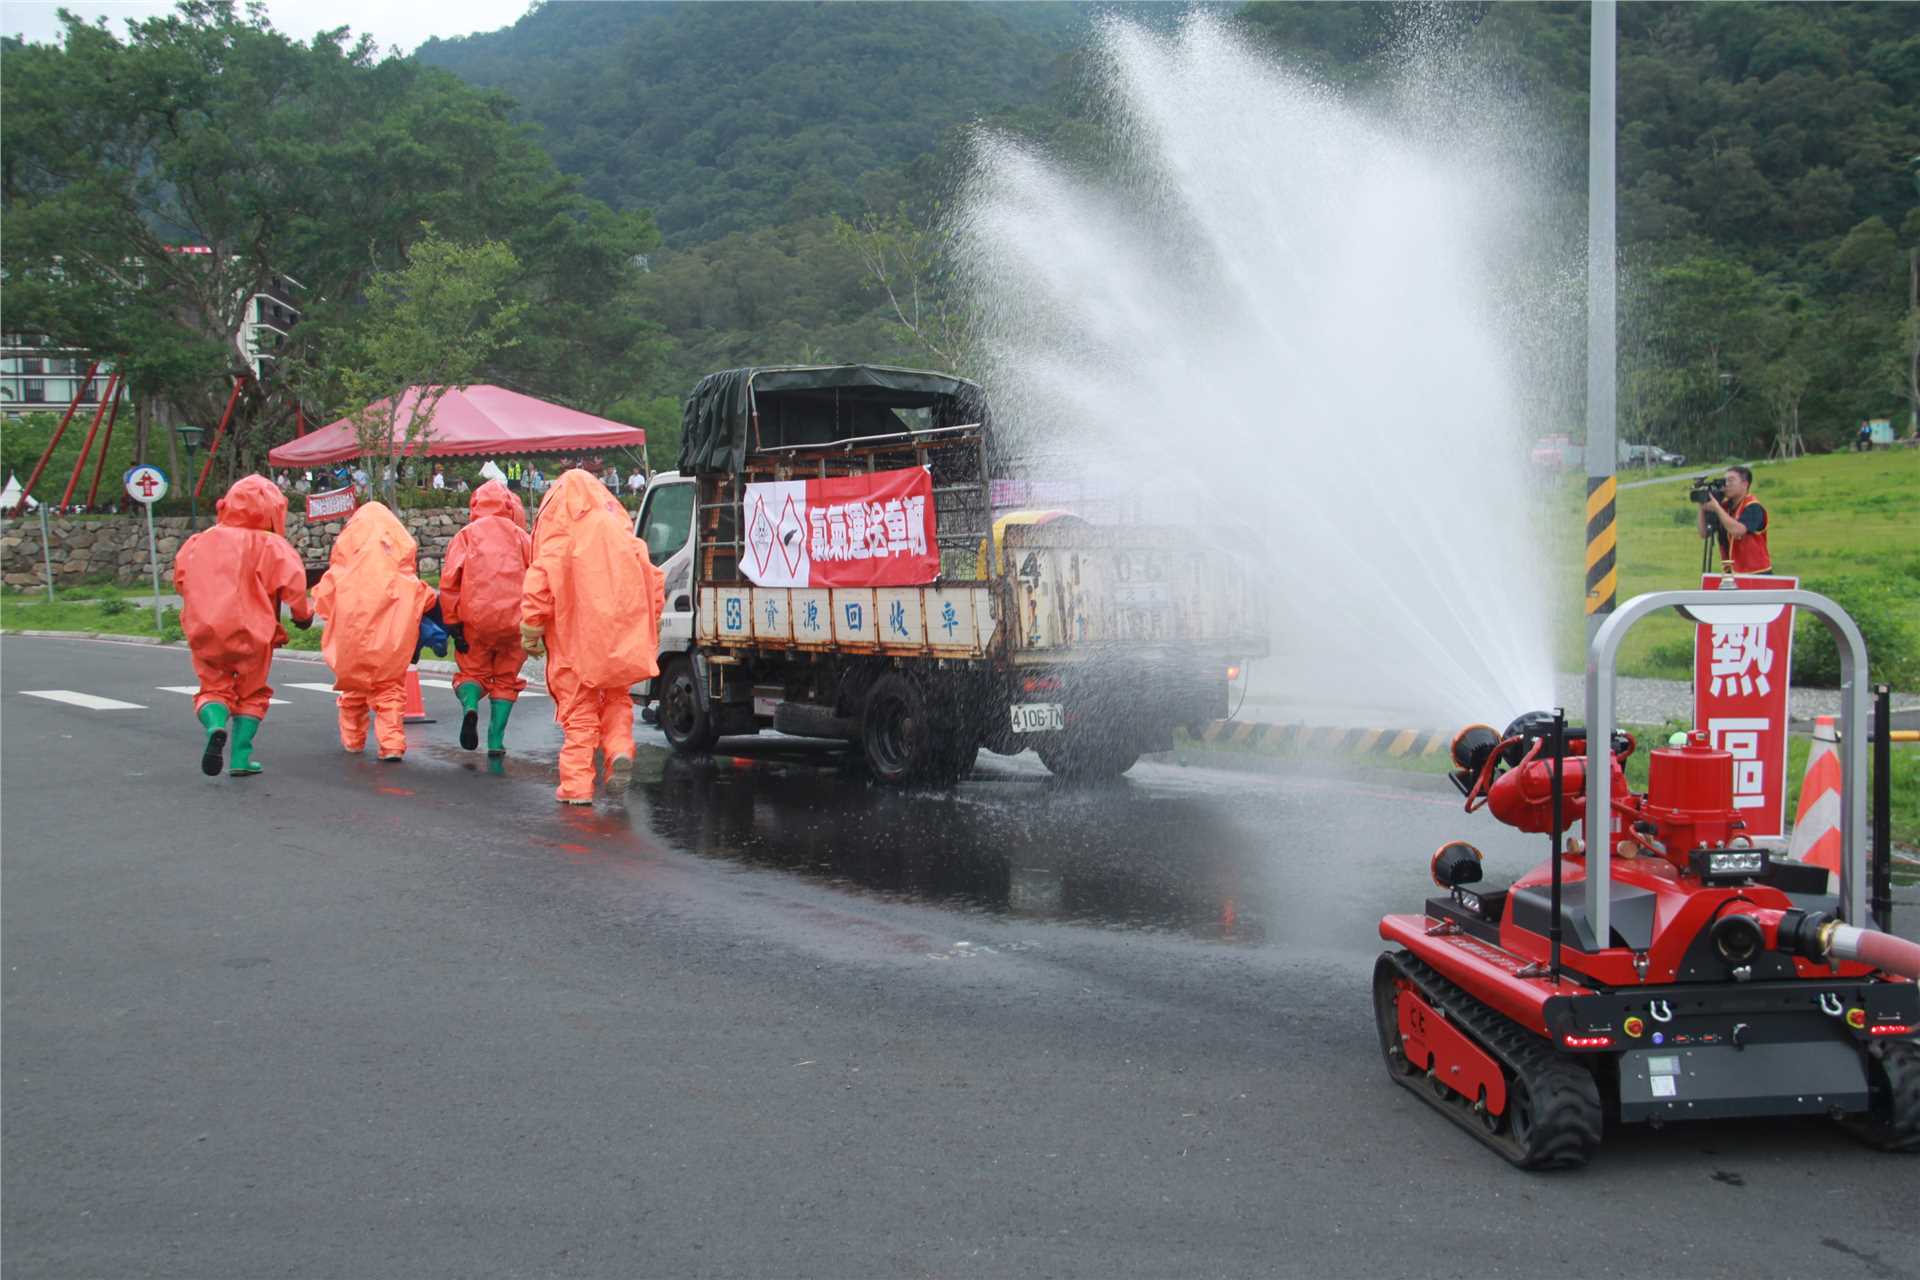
x,y
1084,758
689,728
898,733
956,759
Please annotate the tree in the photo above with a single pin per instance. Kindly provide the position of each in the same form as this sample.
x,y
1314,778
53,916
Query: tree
x,y
276,159
430,328
909,263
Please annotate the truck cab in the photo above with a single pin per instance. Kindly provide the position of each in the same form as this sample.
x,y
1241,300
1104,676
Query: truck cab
x,y
665,523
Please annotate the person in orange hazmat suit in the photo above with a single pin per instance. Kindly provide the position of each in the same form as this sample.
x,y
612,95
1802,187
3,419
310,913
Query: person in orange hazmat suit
x,y
372,600
592,608
232,580
481,583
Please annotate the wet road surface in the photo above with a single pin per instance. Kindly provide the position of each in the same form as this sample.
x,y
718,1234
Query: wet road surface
x,y
763,1018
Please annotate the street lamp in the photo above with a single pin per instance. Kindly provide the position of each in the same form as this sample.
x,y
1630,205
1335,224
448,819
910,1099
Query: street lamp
x,y
190,440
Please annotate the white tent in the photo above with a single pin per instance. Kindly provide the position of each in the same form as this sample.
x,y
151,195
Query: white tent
x,y
10,496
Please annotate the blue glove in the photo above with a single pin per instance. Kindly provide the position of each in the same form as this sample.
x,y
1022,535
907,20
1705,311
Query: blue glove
x,y
432,636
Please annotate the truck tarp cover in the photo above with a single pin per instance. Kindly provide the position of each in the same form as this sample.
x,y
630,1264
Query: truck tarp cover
x,y
810,406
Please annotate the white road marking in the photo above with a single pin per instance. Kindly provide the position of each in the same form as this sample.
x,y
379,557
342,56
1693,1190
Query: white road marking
x,y
193,691
92,702
424,680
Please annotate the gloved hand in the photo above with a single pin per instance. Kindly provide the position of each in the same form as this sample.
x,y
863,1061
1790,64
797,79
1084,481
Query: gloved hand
x,y
458,632
533,640
432,636
302,623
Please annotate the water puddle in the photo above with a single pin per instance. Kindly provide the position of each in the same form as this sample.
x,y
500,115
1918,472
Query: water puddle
x,y
1006,842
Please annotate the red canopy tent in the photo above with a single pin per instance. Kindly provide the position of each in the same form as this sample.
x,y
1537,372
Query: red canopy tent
x,y
478,420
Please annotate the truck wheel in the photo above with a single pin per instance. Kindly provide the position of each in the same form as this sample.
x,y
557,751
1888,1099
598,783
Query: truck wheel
x,y
956,759
1086,759
689,729
897,732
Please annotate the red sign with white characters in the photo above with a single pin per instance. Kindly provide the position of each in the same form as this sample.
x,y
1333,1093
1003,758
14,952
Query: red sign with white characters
x,y
1740,678
334,504
850,531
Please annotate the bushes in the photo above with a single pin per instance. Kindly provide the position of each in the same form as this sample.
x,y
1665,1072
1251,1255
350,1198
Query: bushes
x,y
1873,604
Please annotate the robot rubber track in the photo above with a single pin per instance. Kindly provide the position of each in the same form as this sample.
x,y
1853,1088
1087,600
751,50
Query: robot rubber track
x,y
1553,1118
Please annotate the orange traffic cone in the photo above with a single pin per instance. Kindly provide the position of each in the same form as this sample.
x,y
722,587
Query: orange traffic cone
x,y
416,705
1816,823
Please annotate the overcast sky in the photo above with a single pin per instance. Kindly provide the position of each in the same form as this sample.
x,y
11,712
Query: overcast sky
x,y
406,23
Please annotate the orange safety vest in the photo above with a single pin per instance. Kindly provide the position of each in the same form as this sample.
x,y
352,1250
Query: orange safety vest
x,y
1749,554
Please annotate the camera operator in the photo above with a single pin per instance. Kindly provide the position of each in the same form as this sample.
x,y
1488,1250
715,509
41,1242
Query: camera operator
x,y
1738,521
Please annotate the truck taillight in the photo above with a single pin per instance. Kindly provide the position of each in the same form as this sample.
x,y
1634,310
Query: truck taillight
x,y
1233,673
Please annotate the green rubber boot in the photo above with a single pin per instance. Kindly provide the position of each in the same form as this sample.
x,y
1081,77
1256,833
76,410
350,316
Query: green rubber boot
x,y
214,717
498,712
243,765
469,695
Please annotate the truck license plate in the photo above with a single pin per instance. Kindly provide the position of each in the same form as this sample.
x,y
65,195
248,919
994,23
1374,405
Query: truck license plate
x,y
1038,717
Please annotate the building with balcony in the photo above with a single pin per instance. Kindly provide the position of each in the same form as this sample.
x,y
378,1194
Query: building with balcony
x,y
38,377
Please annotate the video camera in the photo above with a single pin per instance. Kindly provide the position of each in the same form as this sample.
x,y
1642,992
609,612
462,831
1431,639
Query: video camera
x,y
1705,487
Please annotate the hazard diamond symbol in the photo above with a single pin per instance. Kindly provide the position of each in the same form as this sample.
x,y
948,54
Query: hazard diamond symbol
x,y
760,536
793,533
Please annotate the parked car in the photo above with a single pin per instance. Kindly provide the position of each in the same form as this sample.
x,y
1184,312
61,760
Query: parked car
x,y
1649,455
1556,453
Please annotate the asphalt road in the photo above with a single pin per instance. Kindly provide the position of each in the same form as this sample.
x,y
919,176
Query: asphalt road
x,y
358,1020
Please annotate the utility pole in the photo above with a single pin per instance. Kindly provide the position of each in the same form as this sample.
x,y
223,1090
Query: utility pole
x,y
1602,576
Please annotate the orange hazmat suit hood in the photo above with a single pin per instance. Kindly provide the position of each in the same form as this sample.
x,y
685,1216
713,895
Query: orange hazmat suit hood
x,y
372,600
591,587
254,502
495,499
374,531
574,497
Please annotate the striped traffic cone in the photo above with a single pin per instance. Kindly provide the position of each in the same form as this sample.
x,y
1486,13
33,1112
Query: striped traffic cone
x,y
416,712
1816,823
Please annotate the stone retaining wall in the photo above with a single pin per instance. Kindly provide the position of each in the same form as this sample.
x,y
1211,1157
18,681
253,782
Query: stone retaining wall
x,y
116,546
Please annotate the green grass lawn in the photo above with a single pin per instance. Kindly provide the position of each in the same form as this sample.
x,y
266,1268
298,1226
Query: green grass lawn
x,y
109,610
1844,524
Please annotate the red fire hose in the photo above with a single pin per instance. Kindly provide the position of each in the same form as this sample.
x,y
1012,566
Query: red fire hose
x,y
1881,950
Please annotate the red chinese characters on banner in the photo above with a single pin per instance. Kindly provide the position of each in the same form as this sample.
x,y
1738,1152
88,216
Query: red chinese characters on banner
x,y
1740,680
851,531
334,504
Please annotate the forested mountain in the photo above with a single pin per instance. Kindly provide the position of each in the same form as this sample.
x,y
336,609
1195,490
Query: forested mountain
x,y
730,117
1767,195
1769,214
1769,178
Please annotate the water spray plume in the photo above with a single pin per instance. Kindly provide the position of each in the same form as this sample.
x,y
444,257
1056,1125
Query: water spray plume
x,y
1280,315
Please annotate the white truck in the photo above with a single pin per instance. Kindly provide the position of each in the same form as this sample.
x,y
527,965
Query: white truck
x,y
1088,643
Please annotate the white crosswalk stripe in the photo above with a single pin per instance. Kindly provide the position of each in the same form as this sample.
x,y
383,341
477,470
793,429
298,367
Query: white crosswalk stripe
x,y
91,701
425,682
193,691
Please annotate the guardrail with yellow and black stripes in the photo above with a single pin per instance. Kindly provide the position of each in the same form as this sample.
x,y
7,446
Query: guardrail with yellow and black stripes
x,y
1327,738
